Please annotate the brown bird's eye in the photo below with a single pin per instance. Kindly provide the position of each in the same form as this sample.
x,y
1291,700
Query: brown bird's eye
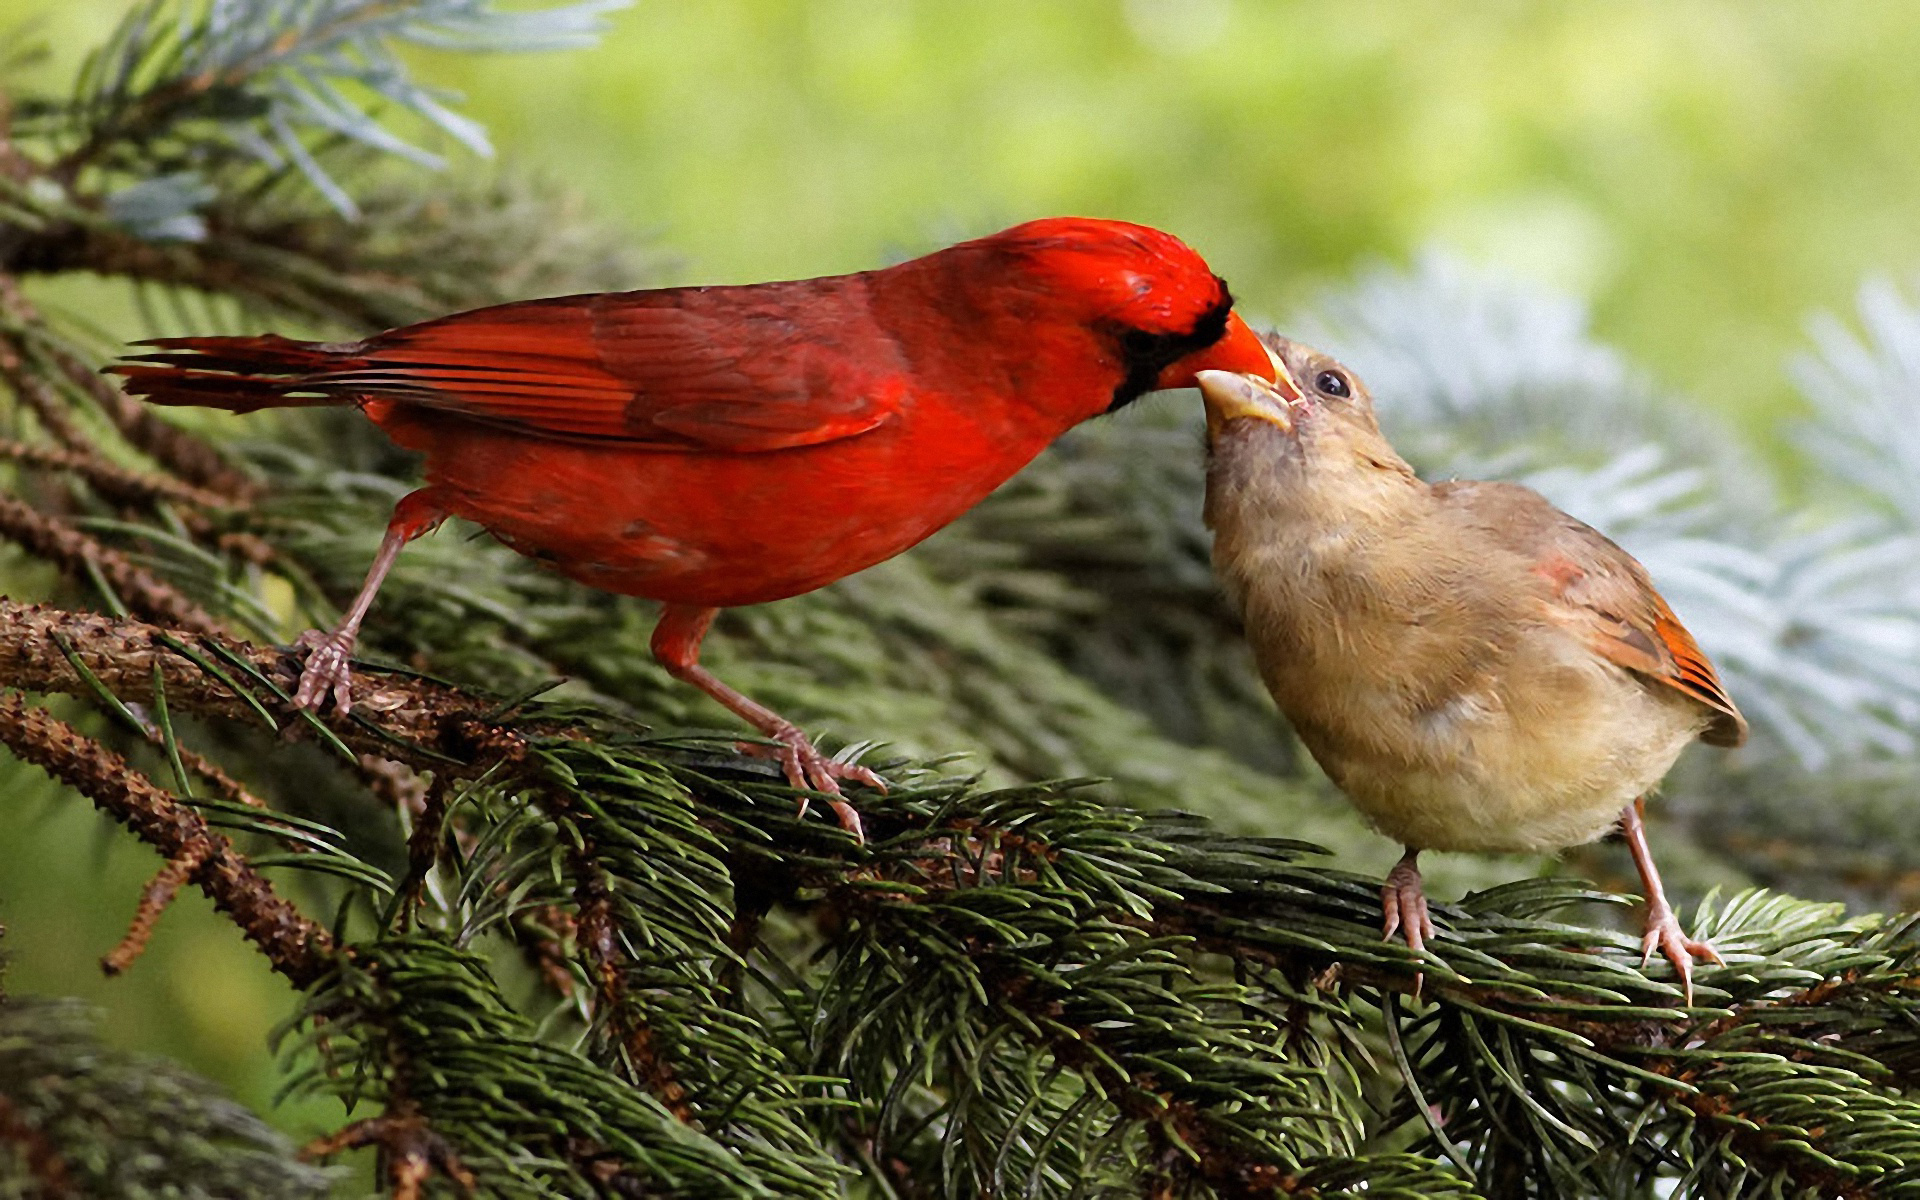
x,y
1332,383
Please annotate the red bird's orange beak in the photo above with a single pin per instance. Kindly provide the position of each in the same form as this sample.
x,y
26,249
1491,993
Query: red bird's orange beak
x,y
1239,350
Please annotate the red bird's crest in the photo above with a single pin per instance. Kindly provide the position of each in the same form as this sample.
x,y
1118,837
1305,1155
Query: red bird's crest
x,y
1135,276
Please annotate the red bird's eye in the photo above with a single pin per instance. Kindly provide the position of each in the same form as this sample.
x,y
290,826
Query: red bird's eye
x,y
1332,383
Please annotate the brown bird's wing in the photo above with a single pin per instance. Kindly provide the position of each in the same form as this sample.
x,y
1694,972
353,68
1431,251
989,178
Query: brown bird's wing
x,y
1603,593
740,369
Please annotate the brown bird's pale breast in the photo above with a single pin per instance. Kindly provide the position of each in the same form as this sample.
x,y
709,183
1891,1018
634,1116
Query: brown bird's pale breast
x,y
1448,685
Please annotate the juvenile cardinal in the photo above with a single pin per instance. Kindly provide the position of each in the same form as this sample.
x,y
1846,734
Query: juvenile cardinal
x,y
1474,668
714,446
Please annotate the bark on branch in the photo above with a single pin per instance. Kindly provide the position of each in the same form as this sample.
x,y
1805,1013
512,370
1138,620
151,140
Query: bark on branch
x,y
428,725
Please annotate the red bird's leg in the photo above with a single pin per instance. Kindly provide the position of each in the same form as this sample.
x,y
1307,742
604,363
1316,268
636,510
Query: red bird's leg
x,y
327,670
676,645
1663,928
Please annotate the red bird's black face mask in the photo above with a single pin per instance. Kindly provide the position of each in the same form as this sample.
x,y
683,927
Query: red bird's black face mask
x,y
1156,308
1146,354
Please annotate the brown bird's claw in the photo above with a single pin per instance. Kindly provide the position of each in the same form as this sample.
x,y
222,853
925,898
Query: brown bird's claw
x,y
1403,903
1664,934
328,670
1663,928
807,768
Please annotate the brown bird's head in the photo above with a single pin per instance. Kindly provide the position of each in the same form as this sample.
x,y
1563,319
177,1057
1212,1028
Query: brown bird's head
x,y
1159,312
1308,438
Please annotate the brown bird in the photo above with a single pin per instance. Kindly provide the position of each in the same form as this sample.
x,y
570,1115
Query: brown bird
x,y
1474,668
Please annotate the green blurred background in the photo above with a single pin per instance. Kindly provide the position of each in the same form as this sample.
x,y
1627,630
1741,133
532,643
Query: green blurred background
x,y
1705,174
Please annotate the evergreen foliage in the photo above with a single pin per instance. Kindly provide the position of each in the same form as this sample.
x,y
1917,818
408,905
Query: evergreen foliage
x,y
78,1119
567,942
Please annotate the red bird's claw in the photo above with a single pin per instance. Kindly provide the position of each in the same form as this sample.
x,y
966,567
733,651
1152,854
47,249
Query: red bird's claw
x,y
1665,935
327,672
807,768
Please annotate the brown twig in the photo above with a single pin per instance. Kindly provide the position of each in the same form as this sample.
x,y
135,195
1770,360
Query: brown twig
x,y
224,785
40,398
187,456
598,936
113,482
544,934
409,1147
159,893
129,488
297,947
426,806
75,552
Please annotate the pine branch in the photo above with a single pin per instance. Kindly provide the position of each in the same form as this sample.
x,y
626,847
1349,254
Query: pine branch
x,y
417,1017
255,76
110,481
297,948
44,1169
428,724
1032,918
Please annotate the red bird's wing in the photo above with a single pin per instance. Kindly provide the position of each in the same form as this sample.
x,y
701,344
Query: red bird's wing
x,y
740,369
1605,595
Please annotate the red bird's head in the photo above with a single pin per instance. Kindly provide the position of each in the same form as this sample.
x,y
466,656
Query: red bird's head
x,y
1162,312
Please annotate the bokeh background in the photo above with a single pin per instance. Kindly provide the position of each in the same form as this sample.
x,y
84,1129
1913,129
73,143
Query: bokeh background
x,y
1704,177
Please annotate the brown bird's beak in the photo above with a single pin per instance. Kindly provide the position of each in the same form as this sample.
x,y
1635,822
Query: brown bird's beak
x,y
1234,396
1239,349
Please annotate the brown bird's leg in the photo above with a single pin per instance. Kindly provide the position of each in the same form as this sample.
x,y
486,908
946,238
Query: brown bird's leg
x,y
327,669
1663,928
676,645
1404,902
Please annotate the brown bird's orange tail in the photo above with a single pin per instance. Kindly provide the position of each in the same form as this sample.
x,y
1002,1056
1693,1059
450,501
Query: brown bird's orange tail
x,y
238,374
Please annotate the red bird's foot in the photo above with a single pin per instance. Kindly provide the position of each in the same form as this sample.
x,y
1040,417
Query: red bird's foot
x,y
806,767
1403,902
1665,935
327,671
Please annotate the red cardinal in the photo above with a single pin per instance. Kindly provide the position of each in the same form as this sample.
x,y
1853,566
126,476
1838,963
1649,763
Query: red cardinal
x,y
713,446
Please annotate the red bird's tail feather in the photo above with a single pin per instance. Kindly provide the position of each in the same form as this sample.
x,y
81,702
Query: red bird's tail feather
x,y
238,374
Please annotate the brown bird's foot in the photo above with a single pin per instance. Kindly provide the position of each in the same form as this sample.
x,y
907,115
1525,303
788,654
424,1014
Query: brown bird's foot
x,y
1665,935
1403,901
805,767
328,671
1663,928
